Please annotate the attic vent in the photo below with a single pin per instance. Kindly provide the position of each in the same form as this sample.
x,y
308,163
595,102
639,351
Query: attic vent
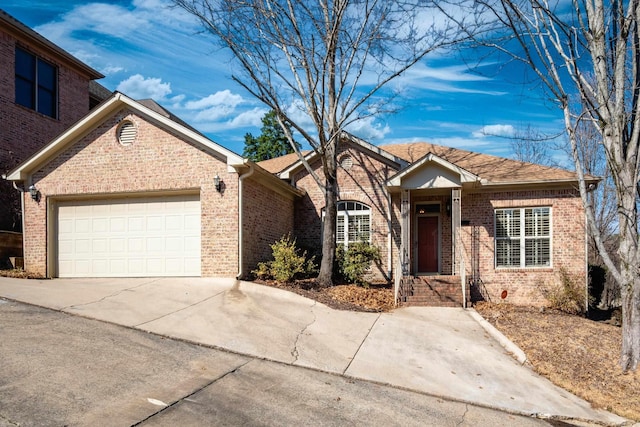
x,y
346,162
127,133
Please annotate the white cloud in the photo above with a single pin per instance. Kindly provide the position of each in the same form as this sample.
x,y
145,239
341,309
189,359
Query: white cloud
x,y
111,69
368,129
252,117
494,130
231,121
139,87
223,98
102,18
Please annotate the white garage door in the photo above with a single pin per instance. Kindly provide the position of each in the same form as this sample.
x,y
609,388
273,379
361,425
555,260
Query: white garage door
x,y
129,237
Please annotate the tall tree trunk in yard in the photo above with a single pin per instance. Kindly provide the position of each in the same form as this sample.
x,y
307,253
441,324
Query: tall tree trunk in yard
x,y
629,273
325,277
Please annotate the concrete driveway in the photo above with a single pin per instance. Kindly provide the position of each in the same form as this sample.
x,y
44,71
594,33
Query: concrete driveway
x,y
439,351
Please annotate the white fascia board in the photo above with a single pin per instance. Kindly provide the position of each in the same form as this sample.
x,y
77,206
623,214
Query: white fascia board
x,y
76,131
465,175
286,173
232,158
375,149
87,124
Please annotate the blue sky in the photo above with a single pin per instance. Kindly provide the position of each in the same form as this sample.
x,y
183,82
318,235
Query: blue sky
x,y
149,50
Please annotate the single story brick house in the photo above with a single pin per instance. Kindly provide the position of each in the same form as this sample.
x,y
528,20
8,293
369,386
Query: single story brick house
x,y
131,190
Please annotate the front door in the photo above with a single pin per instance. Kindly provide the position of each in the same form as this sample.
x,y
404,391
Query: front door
x,y
428,242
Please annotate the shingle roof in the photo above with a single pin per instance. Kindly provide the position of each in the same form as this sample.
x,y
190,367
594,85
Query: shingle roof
x,y
492,168
279,164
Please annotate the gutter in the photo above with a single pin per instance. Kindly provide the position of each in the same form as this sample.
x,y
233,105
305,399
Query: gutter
x,y
241,178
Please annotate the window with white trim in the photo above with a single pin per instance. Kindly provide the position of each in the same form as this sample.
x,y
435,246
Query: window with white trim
x,y
523,237
353,223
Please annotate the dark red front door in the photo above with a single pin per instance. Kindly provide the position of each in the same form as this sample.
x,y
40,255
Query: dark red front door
x,y
428,244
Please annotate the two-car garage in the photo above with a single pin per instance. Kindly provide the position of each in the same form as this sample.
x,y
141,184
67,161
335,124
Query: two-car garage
x,y
129,237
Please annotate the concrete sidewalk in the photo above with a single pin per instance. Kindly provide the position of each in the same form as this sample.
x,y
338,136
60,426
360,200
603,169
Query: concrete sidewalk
x,y
439,351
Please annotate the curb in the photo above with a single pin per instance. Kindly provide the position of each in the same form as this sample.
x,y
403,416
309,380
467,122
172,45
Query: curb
x,y
505,342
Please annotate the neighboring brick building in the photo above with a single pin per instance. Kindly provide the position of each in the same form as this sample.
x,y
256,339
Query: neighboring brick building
x,y
43,91
130,190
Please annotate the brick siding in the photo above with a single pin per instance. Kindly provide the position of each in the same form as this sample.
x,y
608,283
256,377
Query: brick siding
x,y
157,162
363,182
524,285
267,217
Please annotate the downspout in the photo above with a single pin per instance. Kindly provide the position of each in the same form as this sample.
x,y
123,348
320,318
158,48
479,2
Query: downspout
x,y
390,270
241,178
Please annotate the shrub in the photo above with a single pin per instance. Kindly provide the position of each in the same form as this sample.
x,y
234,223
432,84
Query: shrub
x,y
352,264
287,264
567,295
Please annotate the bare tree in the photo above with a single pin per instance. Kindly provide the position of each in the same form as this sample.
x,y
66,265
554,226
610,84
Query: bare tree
x,y
586,53
331,58
533,146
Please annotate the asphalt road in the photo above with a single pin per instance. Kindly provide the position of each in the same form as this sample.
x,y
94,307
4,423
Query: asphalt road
x,y
58,369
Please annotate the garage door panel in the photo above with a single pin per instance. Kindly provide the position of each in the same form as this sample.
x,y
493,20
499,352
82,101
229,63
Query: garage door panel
x,y
129,237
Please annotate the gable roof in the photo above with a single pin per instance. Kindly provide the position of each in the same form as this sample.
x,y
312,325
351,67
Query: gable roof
x,y
490,169
116,102
465,176
283,166
21,31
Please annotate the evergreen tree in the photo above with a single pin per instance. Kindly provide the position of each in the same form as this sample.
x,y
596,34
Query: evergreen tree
x,y
271,143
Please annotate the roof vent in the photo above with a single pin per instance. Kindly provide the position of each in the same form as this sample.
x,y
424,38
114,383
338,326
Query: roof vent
x,y
127,133
346,162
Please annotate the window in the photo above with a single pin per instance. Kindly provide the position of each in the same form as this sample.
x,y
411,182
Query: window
x,y
36,83
523,237
353,223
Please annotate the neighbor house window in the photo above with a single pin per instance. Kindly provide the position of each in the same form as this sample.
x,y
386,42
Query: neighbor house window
x,y
523,237
353,223
36,83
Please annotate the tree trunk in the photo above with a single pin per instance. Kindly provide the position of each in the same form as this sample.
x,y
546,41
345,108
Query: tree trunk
x,y
325,277
630,292
629,272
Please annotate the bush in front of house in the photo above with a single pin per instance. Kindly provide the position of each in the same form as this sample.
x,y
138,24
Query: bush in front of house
x,y
353,263
567,294
287,264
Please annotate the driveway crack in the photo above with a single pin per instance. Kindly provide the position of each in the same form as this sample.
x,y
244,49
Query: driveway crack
x,y
361,344
295,353
110,296
179,310
464,415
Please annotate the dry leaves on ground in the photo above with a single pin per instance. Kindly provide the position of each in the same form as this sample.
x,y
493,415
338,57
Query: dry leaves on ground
x,y
19,274
375,298
578,354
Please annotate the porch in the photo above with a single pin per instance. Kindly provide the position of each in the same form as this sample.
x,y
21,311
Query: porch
x,y
433,249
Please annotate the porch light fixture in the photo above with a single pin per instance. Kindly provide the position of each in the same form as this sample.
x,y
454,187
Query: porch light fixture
x,y
217,182
35,193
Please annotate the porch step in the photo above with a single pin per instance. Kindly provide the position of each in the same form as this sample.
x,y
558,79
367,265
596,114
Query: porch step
x,y
432,291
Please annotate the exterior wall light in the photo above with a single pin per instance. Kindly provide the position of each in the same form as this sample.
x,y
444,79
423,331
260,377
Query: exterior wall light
x,y
218,183
35,193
